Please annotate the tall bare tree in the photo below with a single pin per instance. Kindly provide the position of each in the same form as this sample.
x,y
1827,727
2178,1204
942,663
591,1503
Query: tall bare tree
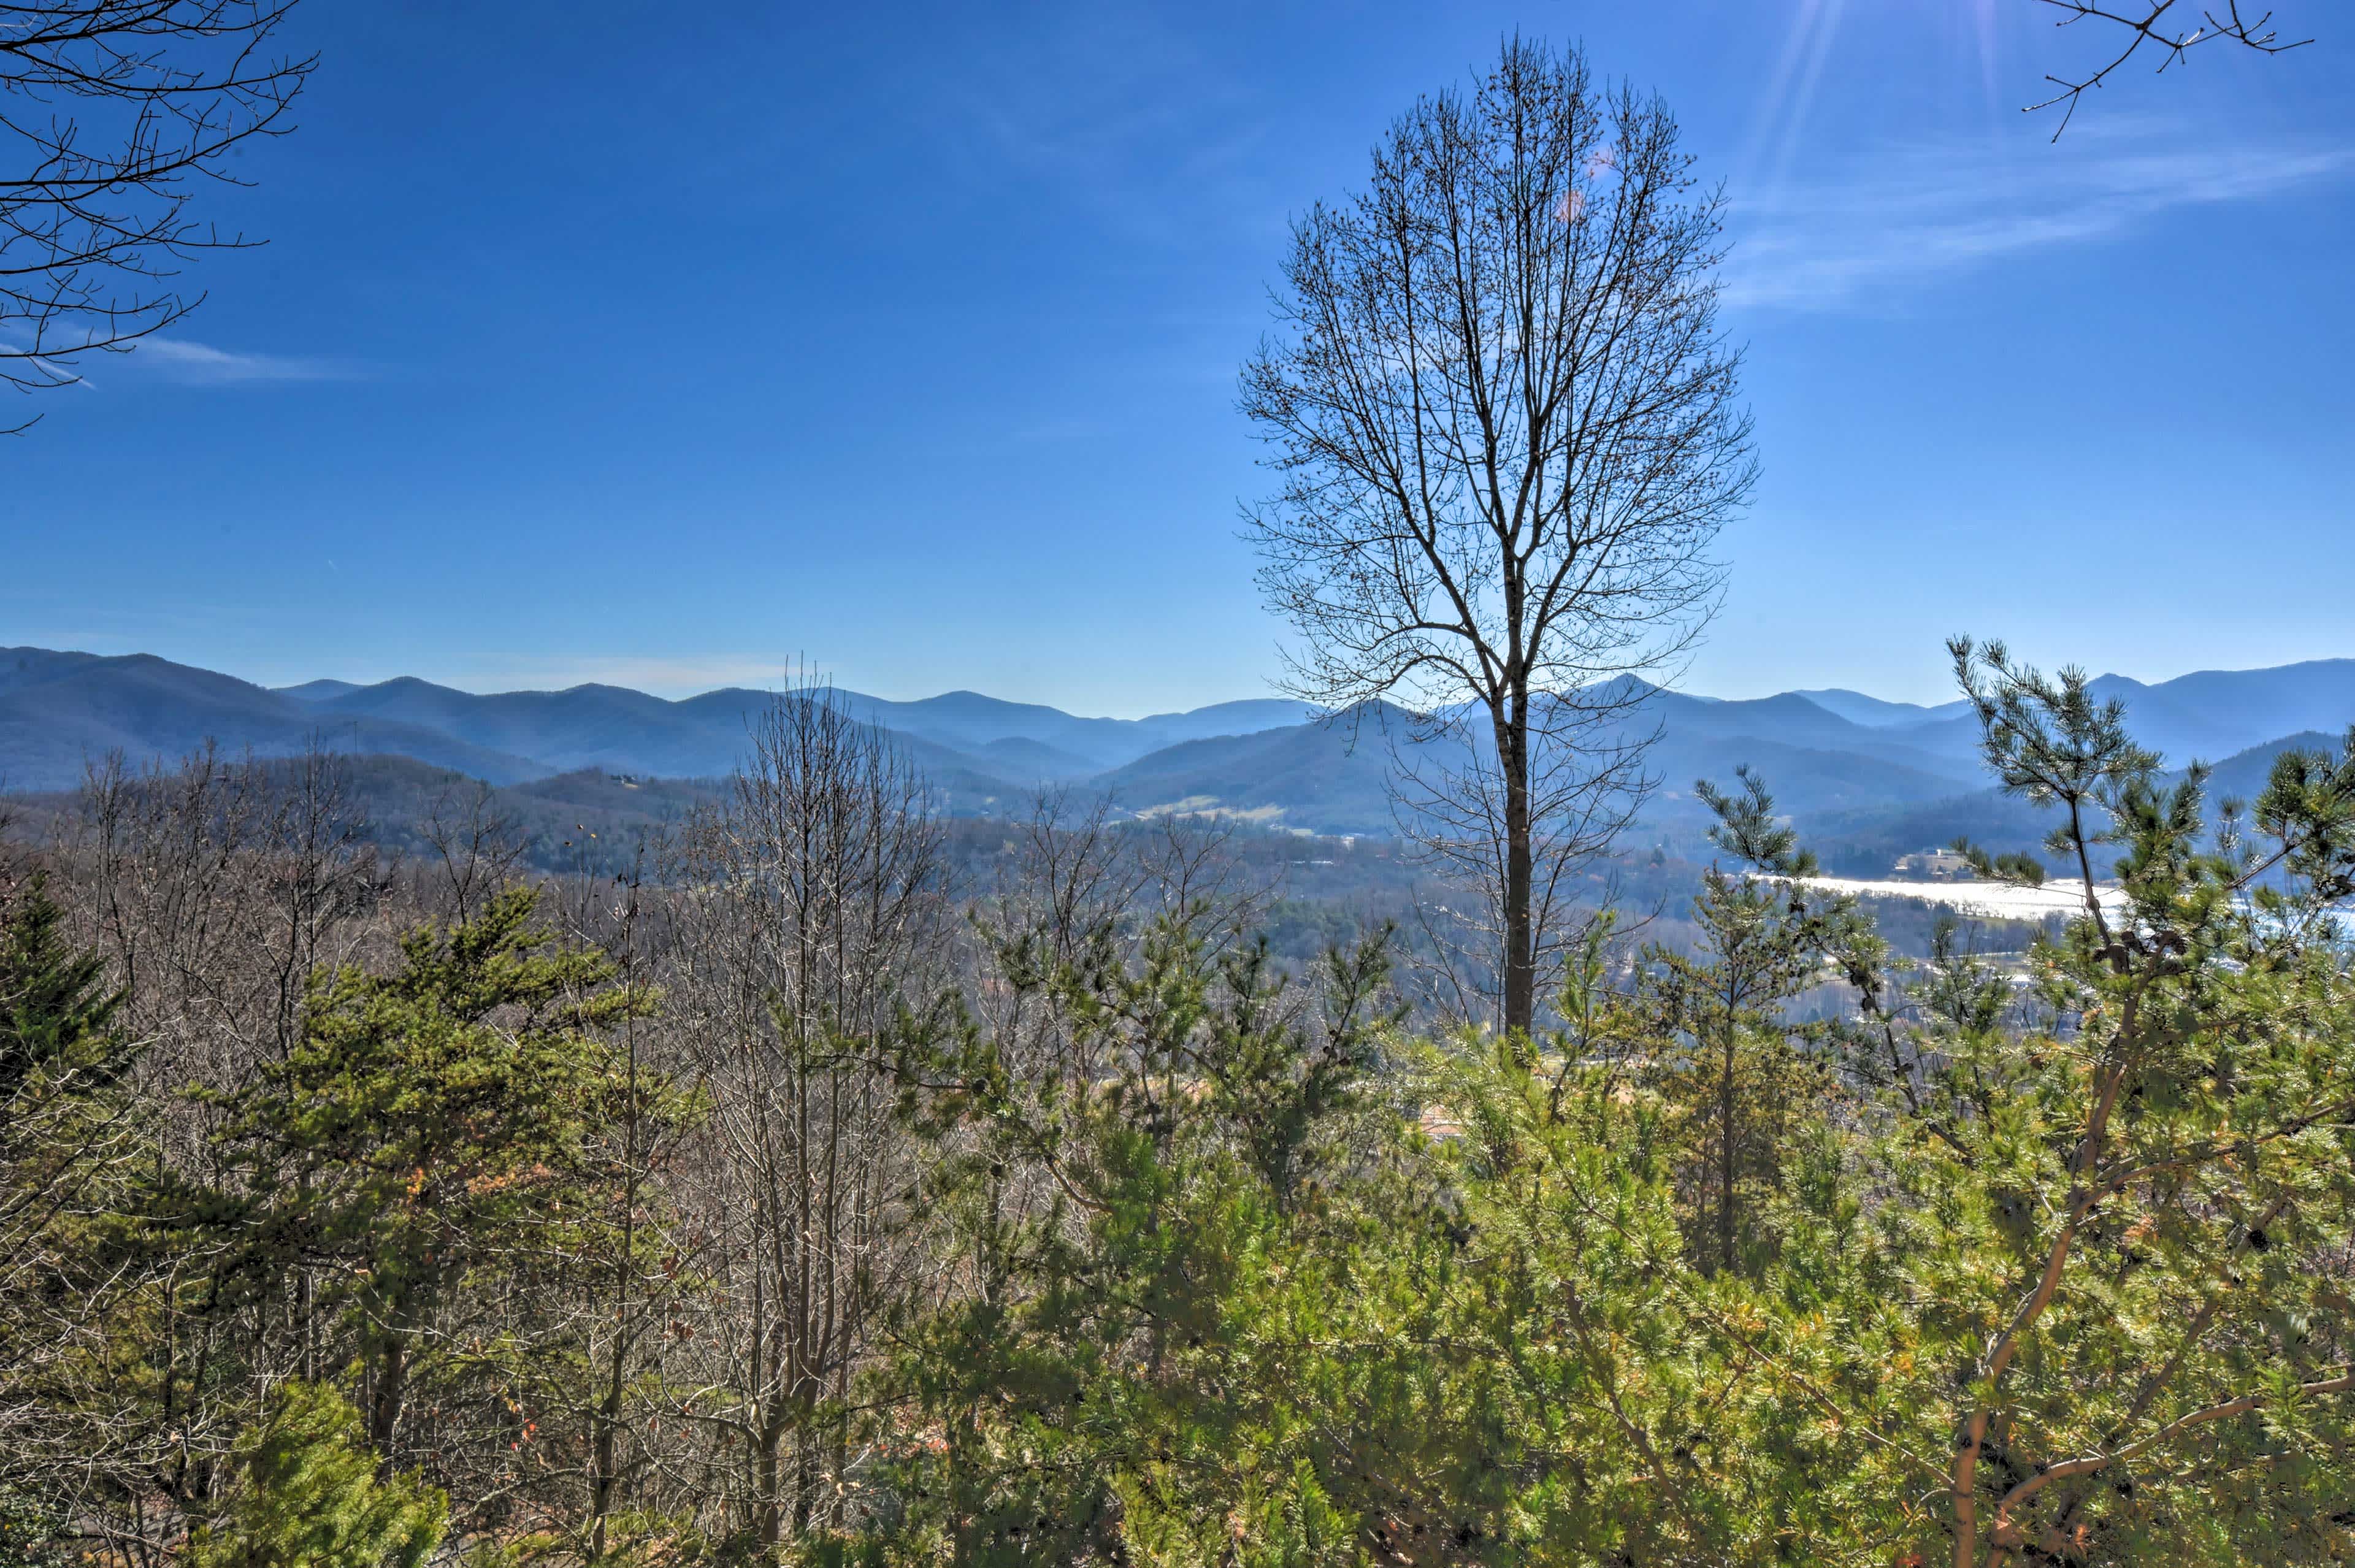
x,y
113,114
1507,421
811,906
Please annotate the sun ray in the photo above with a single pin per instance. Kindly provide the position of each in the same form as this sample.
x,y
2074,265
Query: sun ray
x,y
1783,110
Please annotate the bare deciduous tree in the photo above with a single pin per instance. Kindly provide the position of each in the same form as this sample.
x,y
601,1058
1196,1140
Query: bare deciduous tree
x,y
811,904
1506,423
110,113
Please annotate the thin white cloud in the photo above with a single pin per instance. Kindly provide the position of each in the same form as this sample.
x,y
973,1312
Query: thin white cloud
x,y
201,364
1922,212
1116,109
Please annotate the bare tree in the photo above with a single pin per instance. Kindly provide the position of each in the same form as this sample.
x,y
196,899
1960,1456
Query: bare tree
x,y
1068,882
112,111
810,906
476,842
216,889
1506,423
2146,23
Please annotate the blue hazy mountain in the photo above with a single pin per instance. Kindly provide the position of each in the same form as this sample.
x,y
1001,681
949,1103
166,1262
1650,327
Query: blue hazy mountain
x,y
968,720
1334,777
60,712
317,691
1825,753
2213,714
613,727
1875,713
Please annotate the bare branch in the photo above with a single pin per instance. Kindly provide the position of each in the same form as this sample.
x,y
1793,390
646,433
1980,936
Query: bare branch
x,y
2146,29
110,113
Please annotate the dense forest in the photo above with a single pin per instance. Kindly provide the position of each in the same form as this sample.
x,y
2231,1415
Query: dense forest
x,y
786,1199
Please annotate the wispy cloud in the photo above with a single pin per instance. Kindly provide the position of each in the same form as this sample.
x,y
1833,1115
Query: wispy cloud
x,y
1915,214
201,364
1119,110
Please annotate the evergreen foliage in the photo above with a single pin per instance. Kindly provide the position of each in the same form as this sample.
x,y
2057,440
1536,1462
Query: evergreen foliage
x,y
56,1010
429,1144
307,1495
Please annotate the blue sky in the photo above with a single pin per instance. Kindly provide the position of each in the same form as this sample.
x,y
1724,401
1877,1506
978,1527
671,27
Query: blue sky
x,y
664,346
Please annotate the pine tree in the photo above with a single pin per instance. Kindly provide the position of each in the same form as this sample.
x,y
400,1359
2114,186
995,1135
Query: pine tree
x,y
2078,1292
430,1139
1142,1370
306,1494
1737,1073
55,1016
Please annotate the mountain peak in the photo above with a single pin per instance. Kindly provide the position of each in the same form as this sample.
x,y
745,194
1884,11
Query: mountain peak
x,y
318,690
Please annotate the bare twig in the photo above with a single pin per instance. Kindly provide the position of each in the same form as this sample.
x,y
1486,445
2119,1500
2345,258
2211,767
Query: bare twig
x,y
111,111
2172,46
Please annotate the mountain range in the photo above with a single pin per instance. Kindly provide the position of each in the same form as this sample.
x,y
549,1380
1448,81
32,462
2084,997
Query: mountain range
x,y
1833,755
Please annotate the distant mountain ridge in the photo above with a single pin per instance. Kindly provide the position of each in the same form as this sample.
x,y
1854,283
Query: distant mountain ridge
x,y
1875,713
62,710
612,726
1824,752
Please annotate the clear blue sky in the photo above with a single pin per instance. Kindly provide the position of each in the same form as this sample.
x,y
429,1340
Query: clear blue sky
x,y
660,345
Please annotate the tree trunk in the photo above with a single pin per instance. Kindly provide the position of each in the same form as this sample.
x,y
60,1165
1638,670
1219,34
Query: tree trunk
x,y
605,1446
1521,935
384,1409
1725,1225
769,1483
603,1456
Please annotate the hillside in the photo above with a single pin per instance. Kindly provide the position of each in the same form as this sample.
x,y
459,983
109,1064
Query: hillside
x,y
1322,777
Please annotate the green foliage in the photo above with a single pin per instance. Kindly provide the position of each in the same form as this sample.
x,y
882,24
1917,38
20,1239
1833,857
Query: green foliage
x,y
1184,1260
1975,1274
55,1013
1162,1277
431,1134
306,1494
2023,869
2086,1265
61,1066
1747,828
635,1539
1734,1073
33,1530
